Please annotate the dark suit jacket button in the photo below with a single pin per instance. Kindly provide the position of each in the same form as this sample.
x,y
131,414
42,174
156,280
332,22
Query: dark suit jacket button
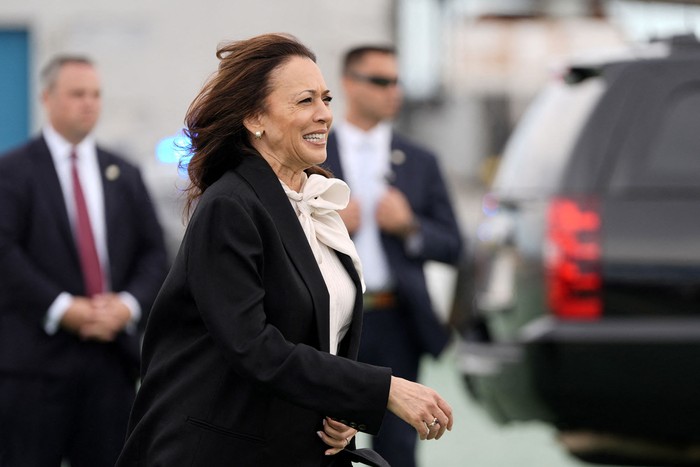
x,y
362,427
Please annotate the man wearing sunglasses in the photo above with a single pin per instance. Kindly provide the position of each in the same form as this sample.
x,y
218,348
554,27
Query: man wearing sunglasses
x,y
399,216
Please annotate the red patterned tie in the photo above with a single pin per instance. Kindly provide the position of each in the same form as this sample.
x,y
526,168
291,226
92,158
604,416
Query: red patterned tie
x,y
89,261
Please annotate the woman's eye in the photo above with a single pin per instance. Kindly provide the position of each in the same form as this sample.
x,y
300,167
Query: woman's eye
x,y
305,101
327,99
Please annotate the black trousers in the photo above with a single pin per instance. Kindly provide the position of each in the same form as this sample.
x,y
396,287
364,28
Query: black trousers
x,y
80,416
387,341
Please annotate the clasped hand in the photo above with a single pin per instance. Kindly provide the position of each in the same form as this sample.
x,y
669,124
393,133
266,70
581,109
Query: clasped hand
x,y
393,215
98,318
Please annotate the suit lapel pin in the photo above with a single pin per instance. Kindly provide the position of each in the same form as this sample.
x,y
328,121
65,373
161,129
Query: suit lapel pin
x,y
398,157
112,172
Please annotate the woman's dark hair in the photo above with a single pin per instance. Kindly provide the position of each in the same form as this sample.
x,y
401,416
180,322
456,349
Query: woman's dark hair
x,y
239,89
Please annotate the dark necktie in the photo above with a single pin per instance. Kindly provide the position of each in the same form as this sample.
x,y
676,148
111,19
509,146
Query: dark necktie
x,y
89,260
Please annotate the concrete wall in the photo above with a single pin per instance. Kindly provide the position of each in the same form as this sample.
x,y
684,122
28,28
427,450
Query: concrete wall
x,y
154,55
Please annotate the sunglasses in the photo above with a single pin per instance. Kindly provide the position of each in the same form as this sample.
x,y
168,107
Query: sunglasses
x,y
381,81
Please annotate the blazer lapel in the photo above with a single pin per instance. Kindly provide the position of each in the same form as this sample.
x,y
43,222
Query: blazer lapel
x,y
256,171
109,175
47,178
397,161
350,345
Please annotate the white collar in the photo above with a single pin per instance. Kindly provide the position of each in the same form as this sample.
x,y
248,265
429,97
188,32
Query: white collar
x,y
60,147
378,136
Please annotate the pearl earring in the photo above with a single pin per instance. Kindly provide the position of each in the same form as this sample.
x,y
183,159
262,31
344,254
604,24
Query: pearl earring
x,y
258,134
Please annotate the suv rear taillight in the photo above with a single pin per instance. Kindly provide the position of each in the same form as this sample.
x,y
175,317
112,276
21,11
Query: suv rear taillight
x,y
572,258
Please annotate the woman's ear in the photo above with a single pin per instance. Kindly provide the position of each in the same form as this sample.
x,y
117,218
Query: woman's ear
x,y
252,124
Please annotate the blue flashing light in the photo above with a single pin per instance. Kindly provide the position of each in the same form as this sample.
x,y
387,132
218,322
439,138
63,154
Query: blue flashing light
x,y
175,150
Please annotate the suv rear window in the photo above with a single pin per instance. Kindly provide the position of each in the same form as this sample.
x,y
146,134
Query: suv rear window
x,y
536,154
672,161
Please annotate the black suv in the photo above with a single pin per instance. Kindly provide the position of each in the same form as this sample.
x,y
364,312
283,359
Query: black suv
x,y
586,310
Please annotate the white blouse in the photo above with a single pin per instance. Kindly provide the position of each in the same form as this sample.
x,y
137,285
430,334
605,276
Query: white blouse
x,y
342,295
316,207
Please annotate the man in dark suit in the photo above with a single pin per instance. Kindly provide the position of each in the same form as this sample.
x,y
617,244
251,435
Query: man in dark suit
x,y
400,216
81,260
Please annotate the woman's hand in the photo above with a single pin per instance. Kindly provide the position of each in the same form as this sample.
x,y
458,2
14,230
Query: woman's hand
x,y
336,435
420,407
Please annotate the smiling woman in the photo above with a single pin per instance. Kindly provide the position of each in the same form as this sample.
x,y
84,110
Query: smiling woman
x,y
249,353
296,120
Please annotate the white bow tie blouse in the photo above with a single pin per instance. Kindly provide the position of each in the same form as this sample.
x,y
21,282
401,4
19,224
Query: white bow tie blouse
x,y
317,208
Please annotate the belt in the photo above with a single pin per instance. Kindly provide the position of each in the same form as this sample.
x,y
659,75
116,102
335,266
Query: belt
x,y
379,300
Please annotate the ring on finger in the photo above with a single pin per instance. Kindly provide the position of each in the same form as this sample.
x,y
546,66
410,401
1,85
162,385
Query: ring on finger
x,y
433,423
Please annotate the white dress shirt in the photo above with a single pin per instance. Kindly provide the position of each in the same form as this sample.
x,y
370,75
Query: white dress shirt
x,y
365,158
91,184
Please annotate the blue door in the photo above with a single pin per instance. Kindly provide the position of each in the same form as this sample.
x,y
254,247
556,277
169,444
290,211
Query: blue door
x,y
14,87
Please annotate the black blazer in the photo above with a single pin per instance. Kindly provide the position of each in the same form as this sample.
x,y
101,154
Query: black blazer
x,y
39,259
416,173
236,369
